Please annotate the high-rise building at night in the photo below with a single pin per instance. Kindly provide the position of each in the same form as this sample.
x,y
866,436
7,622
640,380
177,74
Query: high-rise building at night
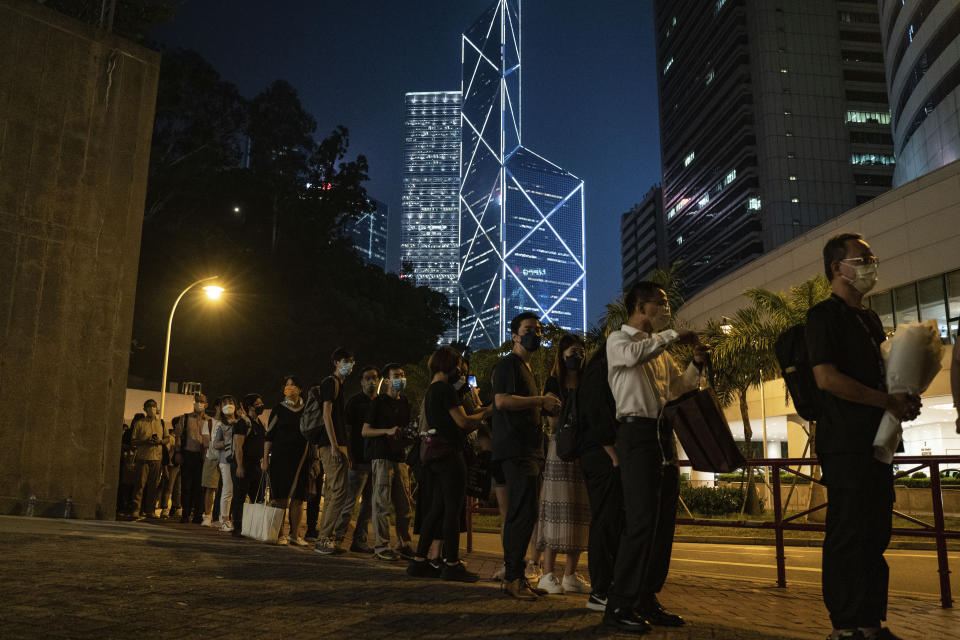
x,y
774,119
521,216
431,181
642,238
922,53
370,235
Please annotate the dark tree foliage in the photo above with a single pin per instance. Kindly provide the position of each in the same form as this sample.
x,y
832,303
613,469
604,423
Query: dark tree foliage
x,y
272,229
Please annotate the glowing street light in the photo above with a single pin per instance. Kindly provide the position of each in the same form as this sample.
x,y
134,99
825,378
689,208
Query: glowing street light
x,y
213,292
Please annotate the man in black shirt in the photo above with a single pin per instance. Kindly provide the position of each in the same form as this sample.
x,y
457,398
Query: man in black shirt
x,y
358,478
333,452
389,414
516,439
843,340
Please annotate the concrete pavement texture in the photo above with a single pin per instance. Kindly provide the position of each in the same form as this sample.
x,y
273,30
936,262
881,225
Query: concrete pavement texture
x,y
90,579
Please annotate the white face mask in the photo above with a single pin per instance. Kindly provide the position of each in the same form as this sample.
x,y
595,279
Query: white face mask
x,y
345,368
227,409
864,279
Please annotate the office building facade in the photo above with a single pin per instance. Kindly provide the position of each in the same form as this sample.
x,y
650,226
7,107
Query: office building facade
x,y
430,222
773,119
370,235
521,216
921,42
643,238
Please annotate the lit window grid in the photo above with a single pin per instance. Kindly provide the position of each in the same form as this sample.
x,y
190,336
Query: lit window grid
x,y
431,176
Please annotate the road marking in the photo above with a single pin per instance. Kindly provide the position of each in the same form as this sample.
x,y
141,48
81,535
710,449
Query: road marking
x,y
766,582
745,564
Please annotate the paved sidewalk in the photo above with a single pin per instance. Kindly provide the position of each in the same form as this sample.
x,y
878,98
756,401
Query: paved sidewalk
x,y
81,579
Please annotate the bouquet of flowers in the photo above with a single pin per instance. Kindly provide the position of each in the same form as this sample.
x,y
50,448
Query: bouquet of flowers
x,y
913,359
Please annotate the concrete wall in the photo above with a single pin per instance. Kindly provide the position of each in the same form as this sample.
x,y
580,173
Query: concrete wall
x,y
76,117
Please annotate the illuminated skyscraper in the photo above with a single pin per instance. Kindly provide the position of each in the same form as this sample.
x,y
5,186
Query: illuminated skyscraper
x,y
431,180
773,120
521,216
370,234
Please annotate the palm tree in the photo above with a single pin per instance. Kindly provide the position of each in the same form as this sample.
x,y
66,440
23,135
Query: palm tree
x,y
743,347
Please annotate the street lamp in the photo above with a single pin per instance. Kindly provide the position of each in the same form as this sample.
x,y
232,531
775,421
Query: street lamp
x,y
213,292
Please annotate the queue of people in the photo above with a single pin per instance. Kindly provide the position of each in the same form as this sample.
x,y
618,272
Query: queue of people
x,y
617,500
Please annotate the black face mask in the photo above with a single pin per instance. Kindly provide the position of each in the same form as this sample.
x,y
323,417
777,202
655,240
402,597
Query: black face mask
x,y
573,362
530,341
258,410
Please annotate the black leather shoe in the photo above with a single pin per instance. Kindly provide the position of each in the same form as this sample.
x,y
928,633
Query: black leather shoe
x,y
654,613
624,619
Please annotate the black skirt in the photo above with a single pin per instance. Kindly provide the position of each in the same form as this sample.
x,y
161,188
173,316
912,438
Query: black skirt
x,y
283,467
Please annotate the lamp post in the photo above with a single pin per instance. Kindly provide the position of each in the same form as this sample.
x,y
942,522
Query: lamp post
x,y
213,292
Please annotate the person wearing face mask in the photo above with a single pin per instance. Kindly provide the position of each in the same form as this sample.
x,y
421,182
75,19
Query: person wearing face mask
x,y
148,437
188,451
229,418
643,377
564,505
285,457
843,342
389,413
333,452
249,435
359,485
445,475
517,446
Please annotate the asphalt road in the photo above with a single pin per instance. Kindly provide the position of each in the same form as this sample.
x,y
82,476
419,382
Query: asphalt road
x,y
912,572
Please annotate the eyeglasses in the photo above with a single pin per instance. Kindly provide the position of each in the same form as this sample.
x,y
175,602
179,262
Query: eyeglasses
x,y
872,260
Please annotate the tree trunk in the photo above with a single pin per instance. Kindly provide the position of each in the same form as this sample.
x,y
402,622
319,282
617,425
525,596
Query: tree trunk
x,y
751,503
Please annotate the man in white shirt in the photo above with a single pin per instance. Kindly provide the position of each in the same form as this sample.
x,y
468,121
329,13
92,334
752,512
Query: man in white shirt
x,y
643,377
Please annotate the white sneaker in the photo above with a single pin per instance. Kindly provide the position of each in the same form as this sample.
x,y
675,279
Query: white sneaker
x,y
296,542
575,584
206,522
550,584
164,513
226,526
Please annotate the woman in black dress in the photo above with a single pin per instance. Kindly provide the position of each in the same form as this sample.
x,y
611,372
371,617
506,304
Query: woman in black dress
x,y
284,451
447,474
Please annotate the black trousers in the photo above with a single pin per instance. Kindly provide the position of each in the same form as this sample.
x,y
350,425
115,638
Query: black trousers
x,y
448,481
191,493
860,498
651,490
313,514
606,516
522,476
246,487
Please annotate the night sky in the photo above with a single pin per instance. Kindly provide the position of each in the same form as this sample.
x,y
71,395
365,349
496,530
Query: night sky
x,y
589,86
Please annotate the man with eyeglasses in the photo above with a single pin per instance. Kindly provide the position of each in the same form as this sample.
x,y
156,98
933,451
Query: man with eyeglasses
x,y
843,341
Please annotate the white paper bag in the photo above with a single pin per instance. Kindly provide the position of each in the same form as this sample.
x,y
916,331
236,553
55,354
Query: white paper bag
x,y
262,522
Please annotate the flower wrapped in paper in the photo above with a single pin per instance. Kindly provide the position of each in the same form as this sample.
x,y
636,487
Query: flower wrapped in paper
x,y
912,361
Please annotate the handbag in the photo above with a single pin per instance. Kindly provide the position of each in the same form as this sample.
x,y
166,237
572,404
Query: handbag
x,y
478,473
567,438
703,431
261,521
435,447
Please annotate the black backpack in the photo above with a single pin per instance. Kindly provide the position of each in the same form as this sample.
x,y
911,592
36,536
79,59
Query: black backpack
x,y
791,350
311,419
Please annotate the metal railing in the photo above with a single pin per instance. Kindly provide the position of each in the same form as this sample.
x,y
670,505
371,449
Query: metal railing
x,y
937,531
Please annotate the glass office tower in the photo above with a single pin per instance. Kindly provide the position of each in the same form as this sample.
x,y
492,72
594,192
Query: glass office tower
x,y
370,235
431,181
521,216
